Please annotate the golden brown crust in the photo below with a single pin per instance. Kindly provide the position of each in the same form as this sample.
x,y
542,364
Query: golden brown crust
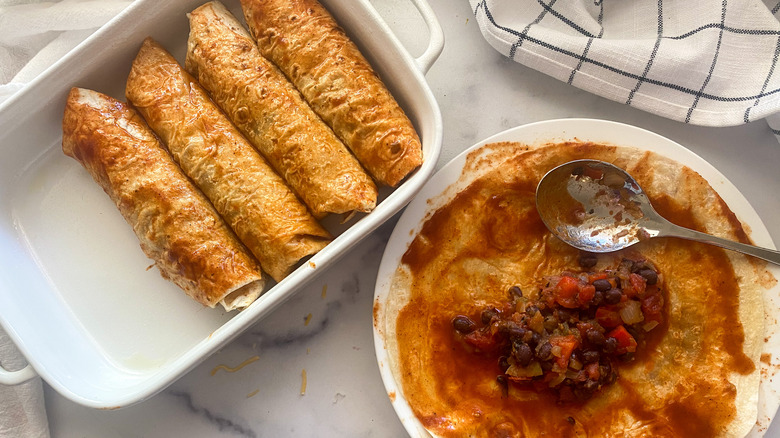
x,y
272,115
306,43
175,224
255,201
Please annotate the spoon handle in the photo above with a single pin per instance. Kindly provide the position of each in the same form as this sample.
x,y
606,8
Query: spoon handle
x,y
755,251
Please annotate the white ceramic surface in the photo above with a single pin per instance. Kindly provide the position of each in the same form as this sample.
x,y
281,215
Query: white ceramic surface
x,y
448,181
480,93
75,292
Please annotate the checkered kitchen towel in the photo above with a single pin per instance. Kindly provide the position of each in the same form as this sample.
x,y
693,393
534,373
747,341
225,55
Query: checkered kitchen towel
x,y
704,62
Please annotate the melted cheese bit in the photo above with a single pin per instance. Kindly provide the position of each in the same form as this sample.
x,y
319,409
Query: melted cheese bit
x,y
303,381
238,367
307,320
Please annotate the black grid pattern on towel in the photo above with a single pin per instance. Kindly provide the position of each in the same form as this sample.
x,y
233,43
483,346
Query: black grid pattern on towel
x,y
697,94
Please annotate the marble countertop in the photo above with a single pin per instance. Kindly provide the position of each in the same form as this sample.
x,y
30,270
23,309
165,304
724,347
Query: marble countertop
x,y
326,329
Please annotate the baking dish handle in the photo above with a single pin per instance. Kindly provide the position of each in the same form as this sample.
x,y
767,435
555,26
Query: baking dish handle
x,y
435,39
16,377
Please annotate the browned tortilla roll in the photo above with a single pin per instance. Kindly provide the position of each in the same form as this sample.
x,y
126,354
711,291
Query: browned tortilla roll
x,y
255,201
307,44
177,227
273,116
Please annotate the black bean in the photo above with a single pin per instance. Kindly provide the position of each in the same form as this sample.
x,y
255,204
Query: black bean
x,y
463,324
598,297
628,265
602,285
649,275
564,315
544,351
523,354
587,260
546,366
503,382
610,345
517,332
595,337
503,363
536,338
612,296
610,377
488,314
605,373
531,310
590,356
515,292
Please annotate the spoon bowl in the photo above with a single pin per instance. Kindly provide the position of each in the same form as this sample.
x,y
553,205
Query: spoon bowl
x,y
598,207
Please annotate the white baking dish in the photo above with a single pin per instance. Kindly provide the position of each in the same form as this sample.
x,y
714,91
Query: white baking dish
x,y
75,293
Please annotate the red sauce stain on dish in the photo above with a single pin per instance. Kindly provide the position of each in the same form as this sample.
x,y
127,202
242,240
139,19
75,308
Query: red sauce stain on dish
x,y
690,378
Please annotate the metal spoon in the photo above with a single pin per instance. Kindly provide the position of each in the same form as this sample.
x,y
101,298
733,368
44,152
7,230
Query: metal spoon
x,y
598,207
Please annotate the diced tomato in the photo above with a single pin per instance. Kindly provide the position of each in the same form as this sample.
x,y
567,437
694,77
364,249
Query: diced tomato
x,y
626,342
567,343
592,369
586,294
566,292
484,340
652,305
597,276
608,317
567,287
637,285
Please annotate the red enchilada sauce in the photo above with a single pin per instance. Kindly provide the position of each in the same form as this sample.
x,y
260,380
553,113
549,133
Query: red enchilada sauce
x,y
490,237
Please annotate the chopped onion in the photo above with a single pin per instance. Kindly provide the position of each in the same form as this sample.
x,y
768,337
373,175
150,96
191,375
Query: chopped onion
x,y
537,323
631,312
532,370
556,350
557,380
650,325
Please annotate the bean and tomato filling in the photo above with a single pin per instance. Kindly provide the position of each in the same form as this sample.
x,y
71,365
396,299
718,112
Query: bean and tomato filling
x,y
568,338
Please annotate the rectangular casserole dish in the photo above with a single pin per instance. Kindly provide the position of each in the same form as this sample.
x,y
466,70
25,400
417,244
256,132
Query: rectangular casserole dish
x,y
75,293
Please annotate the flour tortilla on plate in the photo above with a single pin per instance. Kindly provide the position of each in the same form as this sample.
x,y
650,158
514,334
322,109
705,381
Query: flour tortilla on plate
x,y
700,378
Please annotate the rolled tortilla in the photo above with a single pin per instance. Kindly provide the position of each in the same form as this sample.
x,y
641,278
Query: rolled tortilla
x,y
255,201
307,44
175,224
273,116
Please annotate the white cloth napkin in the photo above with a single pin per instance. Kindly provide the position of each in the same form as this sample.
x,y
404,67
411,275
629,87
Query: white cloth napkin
x,y
704,62
22,409
33,35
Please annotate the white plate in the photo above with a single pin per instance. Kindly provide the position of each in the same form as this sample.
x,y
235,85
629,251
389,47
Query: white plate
x,y
75,294
448,181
